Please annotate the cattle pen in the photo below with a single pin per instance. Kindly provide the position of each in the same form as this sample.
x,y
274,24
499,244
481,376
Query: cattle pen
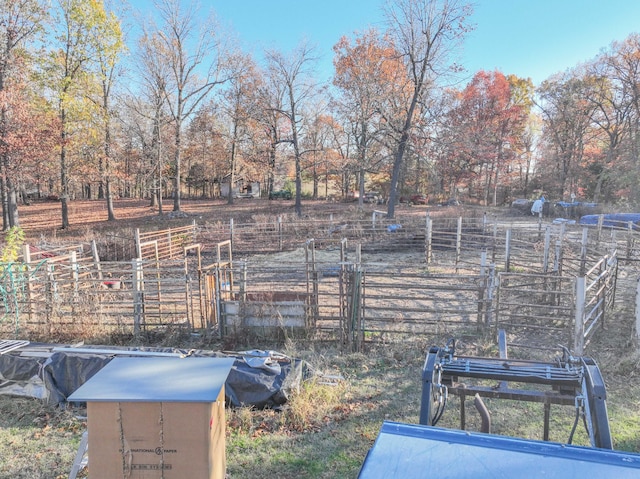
x,y
351,281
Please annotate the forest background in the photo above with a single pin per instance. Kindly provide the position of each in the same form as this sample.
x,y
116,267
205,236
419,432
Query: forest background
x,y
98,103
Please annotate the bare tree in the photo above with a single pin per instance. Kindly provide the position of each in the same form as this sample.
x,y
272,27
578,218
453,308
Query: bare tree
x,y
196,57
238,107
150,107
293,74
425,33
270,101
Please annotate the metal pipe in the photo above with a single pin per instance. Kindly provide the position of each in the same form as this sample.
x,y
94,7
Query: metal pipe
x,y
484,414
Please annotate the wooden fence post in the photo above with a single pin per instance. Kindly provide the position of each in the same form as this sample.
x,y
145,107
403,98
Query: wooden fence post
x,y
583,251
26,254
217,300
494,245
493,283
312,284
483,288
578,340
374,221
557,264
243,280
427,239
73,259
547,247
280,239
507,251
342,300
188,293
96,259
540,224
138,295
458,241
52,295
600,222
231,232
138,245
629,239
354,308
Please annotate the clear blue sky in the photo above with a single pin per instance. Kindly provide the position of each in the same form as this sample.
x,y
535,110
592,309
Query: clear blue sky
x,y
528,38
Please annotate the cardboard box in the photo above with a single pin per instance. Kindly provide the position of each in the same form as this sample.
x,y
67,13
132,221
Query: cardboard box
x,y
158,418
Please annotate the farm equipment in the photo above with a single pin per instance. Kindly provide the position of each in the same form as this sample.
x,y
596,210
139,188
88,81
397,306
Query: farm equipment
x,y
569,381
408,450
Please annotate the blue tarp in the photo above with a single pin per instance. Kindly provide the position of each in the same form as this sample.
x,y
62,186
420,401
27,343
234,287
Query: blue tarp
x,y
575,204
613,220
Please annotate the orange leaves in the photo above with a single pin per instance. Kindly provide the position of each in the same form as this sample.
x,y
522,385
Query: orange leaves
x,y
371,60
29,132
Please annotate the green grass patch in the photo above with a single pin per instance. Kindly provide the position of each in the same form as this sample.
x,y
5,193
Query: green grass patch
x,y
327,427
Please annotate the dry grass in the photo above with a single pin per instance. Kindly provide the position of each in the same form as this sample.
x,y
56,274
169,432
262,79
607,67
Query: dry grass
x,y
325,430
36,442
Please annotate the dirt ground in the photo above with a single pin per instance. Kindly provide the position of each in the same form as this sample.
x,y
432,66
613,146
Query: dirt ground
x,y
45,217
42,219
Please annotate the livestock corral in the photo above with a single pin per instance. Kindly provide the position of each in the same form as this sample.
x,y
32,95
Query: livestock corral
x,y
357,294
346,276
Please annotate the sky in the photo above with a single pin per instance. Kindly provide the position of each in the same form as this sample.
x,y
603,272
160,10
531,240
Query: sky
x,y
528,38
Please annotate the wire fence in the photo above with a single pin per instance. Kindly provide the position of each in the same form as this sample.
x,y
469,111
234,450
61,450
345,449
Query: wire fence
x,y
350,281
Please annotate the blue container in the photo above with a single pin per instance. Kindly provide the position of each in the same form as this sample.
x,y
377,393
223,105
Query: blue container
x,y
416,451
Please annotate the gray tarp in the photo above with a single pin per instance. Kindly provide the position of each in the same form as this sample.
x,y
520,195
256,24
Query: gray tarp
x,y
258,378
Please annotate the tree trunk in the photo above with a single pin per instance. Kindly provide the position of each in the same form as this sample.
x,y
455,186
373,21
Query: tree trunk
x,y
395,174
110,212
361,187
298,184
272,160
12,198
154,194
107,171
178,158
232,165
9,202
315,177
64,182
5,200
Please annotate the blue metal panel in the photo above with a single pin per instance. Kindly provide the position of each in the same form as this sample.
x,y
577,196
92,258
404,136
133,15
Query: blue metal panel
x,y
416,451
152,379
618,220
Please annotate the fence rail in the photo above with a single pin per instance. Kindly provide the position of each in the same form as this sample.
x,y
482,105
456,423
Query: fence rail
x,y
347,280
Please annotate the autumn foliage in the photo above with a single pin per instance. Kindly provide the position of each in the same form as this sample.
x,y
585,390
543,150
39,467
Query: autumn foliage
x,y
86,112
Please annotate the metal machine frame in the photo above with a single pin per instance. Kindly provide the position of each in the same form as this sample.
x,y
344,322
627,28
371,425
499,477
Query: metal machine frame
x,y
567,381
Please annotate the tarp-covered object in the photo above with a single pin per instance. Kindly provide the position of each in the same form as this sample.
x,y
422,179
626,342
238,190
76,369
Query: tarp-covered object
x,y
263,379
22,377
258,378
613,220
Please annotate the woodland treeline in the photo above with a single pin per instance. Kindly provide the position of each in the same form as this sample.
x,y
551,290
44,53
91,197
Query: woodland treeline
x,y
98,101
